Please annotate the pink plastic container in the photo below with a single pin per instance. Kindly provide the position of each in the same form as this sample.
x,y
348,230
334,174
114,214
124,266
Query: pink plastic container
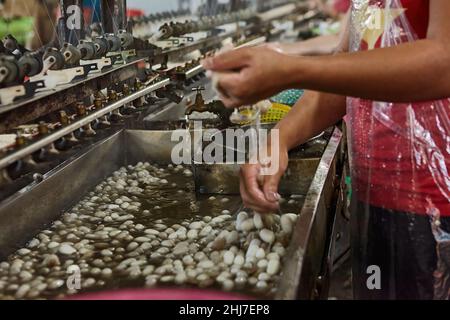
x,y
161,294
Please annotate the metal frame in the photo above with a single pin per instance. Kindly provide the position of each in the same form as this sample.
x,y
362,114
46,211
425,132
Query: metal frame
x,y
27,212
42,143
308,249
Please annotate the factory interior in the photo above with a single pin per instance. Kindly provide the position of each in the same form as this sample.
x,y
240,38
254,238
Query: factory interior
x,y
126,158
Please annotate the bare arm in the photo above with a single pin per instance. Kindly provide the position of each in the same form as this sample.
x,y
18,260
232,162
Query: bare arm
x,y
318,46
313,113
414,71
316,111
411,72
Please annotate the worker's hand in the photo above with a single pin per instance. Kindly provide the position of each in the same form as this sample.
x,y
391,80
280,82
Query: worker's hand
x,y
248,75
260,193
292,49
275,46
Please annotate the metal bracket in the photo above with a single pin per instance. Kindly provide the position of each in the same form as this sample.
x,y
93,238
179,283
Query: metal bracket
x,y
100,63
90,68
11,94
116,57
55,78
127,54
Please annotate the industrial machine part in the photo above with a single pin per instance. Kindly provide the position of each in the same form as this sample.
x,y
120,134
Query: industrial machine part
x,y
87,49
9,70
17,62
3,50
199,103
101,47
30,64
166,31
216,107
91,128
55,58
13,46
72,54
126,39
170,93
178,29
94,30
115,43
157,17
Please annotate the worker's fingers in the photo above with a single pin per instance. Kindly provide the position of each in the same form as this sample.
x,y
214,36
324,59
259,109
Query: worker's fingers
x,y
275,46
230,103
228,100
221,91
248,201
232,60
231,83
249,175
270,188
225,85
273,169
253,194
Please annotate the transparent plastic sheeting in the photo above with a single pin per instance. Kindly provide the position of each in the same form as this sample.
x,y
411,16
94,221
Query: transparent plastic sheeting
x,y
400,172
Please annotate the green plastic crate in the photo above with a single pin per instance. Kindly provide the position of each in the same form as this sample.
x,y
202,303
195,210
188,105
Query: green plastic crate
x,y
21,28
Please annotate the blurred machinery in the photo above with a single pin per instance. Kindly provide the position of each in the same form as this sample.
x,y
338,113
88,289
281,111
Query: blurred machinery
x,y
184,5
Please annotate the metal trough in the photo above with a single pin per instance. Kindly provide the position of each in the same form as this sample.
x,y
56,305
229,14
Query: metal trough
x,y
35,207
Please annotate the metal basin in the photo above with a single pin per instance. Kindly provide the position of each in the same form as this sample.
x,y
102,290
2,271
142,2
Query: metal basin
x,y
223,178
35,207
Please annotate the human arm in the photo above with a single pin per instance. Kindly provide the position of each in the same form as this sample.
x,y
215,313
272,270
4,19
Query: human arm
x,y
415,71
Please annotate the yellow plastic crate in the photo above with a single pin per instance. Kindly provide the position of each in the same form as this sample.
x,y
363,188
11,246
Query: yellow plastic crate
x,y
276,113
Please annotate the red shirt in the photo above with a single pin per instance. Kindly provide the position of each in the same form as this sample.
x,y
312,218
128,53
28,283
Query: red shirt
x,y
418,14
341,6
400,152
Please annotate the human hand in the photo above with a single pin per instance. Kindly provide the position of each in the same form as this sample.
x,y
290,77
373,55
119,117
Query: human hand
x,y
260,193
248,75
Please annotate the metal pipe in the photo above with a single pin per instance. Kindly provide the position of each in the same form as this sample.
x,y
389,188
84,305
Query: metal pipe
x,y
199,69
194,71
25,151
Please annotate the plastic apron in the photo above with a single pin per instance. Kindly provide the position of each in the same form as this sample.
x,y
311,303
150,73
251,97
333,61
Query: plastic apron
x,y
400,158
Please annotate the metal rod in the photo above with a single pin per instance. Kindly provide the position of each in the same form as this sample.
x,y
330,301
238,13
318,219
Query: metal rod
x,y
20,154
198,69
194,71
